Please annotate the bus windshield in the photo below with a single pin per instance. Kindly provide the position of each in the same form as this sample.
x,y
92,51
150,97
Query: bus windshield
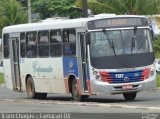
x,y
120,43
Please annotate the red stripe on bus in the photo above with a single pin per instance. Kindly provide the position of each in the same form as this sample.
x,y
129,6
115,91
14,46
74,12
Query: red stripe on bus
x,y
89,87
78,82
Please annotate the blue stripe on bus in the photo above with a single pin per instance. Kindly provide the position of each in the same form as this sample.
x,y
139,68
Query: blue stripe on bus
x,y
70,66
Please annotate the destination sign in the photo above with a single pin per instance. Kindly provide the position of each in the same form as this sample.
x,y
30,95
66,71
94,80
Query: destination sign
x,y
116,22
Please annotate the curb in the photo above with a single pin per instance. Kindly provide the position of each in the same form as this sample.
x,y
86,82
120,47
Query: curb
x,y
86,104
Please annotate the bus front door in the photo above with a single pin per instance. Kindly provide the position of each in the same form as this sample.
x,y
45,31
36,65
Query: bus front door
x,y
84,60
15,64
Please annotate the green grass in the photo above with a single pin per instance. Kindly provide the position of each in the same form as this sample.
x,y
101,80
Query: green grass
x,y
1,78
158,79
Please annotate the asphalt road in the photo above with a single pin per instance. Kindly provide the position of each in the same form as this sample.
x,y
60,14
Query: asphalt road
x,y
111,106
148,100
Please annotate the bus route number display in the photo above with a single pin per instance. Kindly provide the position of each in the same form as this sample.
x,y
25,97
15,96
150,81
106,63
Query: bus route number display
x,y
116,22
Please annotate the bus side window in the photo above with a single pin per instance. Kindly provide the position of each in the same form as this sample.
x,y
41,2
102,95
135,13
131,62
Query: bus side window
x,y
6,46
69,42
31,44
55,43
55,36
22,44
43,44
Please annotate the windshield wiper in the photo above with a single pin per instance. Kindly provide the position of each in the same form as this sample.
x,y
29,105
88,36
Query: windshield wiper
x,y
140,46
133,39
110,41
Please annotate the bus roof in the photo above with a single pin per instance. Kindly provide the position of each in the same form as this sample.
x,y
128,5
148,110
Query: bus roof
x,y
60,23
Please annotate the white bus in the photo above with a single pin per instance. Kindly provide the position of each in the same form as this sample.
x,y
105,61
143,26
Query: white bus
x,y
87,56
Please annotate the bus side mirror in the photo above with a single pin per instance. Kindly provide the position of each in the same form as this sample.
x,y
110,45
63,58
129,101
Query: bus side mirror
x,y
88,41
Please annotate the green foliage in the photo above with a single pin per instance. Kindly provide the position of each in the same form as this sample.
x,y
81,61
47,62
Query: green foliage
x,y
97,7
57,8
11,13
24,2
158,79
139,7
156,45
1,78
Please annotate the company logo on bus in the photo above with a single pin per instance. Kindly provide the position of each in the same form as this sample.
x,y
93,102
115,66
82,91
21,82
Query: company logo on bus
x,y
37,68
126,79
71,64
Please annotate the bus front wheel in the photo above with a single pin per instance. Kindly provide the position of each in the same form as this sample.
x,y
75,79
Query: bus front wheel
x,y
129,96
76,93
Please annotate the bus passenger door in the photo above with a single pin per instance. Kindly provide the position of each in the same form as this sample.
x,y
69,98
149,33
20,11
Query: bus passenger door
x,y
15,63
84,64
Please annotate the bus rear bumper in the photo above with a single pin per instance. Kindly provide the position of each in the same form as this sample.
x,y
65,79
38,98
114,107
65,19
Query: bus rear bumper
x,y
104,87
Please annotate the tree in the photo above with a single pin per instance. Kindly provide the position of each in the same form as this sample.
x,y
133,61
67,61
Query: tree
x,y
11,13
24,3
58,8
137,7
157,46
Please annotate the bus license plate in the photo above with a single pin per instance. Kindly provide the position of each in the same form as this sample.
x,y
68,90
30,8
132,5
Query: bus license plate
x,y
127,87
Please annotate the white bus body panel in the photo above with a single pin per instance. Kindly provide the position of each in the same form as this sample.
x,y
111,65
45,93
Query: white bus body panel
x,y
47,74
8,73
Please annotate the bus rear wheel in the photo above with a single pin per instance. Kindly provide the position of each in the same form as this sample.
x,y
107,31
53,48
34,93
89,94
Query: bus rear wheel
x,y
41,95
31,90
129,96
76,93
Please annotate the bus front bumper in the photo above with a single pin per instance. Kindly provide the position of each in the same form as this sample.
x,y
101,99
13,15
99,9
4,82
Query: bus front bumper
x,y
104,87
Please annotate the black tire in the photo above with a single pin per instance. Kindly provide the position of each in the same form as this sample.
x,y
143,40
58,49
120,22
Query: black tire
x,y
75,92
129,96
41,95
31,90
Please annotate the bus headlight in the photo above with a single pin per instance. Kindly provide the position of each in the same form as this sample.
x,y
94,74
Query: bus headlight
x,y
151,73
152,70
95,72
148,72
98,77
